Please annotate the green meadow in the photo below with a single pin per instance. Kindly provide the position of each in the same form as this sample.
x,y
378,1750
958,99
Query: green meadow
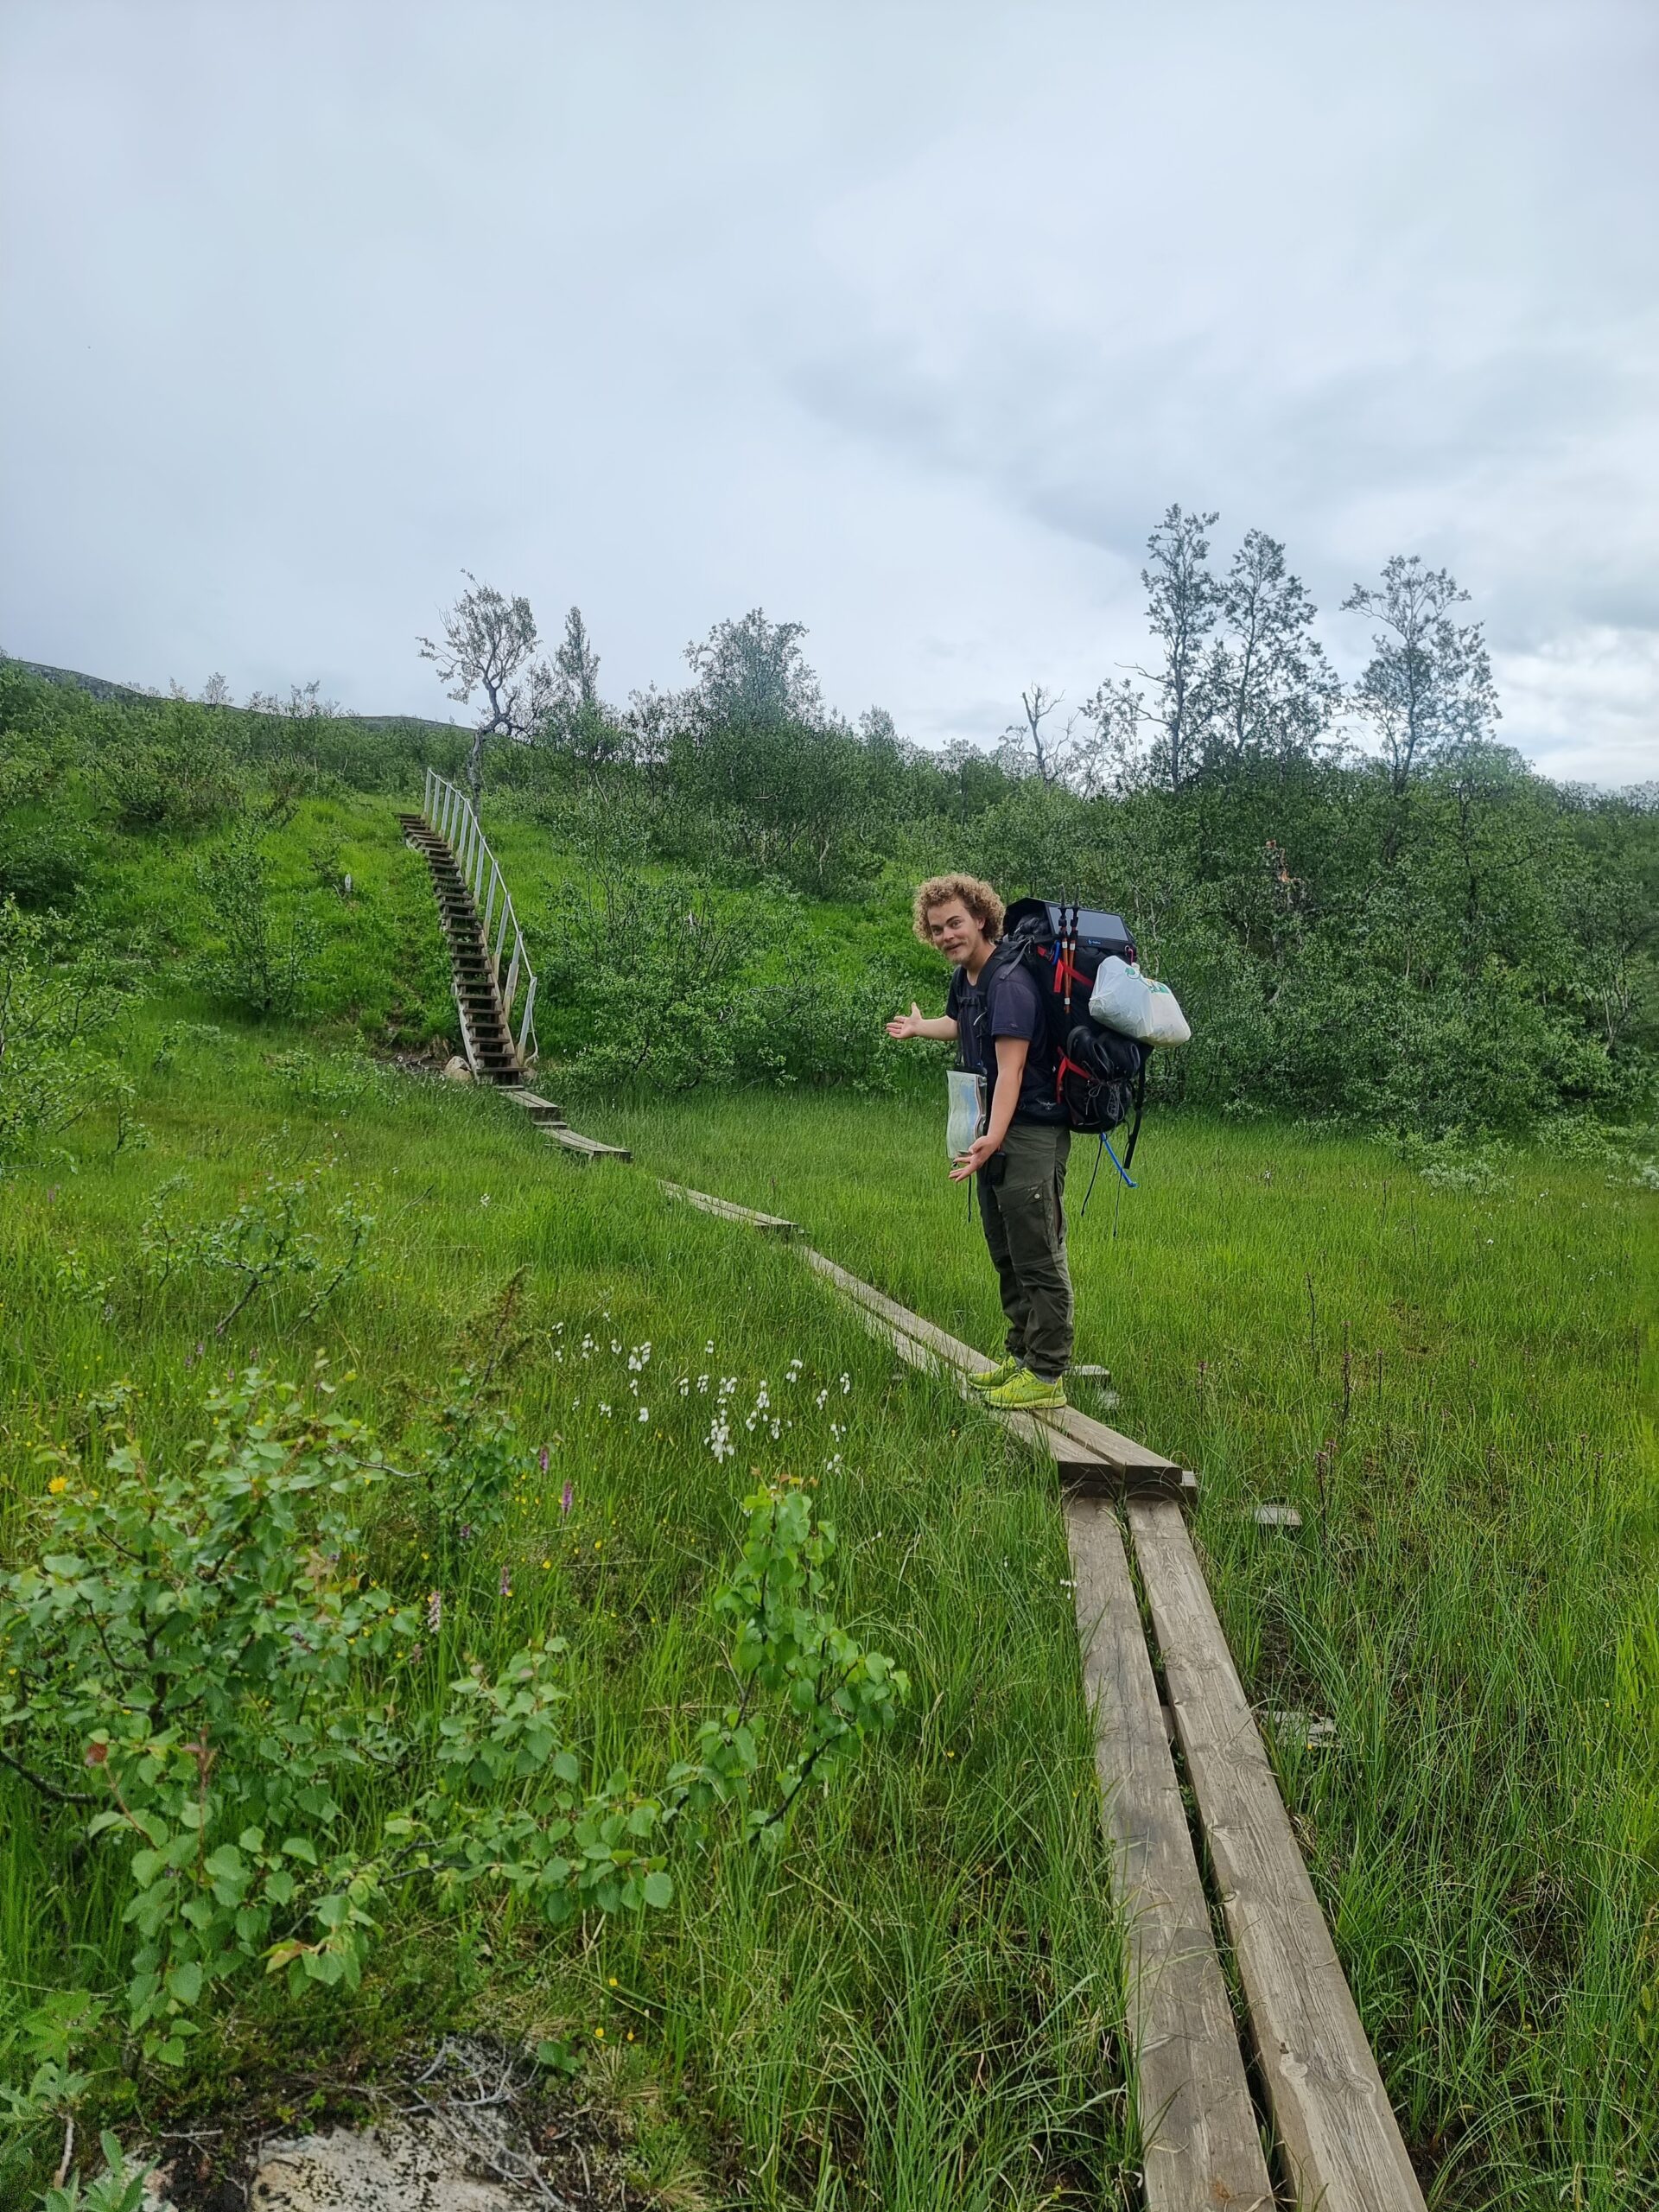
x,y
1440,1353
914,2004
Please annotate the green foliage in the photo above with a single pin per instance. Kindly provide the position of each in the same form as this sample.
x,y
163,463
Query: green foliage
x,y
659,981
62,992
168,768
205,1641
261,962
43,865
785,1641
284,1244
119,2187
330,1084
1436,938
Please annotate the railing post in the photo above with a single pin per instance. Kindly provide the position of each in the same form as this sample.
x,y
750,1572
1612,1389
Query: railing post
x,y
507,915
512,977
530,1009
495,885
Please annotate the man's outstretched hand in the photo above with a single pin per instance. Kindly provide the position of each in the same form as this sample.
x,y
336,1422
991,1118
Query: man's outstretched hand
x,y
980,1150
907,1025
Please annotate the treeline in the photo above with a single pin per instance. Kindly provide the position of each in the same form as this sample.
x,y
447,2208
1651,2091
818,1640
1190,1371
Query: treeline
x,y
1372,909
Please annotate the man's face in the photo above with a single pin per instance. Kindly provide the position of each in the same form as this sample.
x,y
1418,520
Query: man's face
x,y
954,931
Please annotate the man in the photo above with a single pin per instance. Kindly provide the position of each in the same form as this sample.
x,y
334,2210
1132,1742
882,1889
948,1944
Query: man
x,y
1019,1158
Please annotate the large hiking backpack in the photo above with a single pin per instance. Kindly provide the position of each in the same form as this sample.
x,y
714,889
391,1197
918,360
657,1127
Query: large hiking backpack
x,y
1100,1076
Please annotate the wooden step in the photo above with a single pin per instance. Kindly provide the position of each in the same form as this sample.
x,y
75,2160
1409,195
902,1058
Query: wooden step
x,y
771,1222
589,1147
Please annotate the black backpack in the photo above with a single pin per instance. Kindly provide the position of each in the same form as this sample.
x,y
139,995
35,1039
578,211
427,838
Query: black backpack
x,y
1100,1076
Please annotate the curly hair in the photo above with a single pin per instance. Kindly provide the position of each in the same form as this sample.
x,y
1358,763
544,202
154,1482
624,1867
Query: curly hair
x,y
977,897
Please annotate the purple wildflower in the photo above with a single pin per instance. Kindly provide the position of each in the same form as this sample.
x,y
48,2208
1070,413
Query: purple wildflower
x,y
434,1611
506,1583
542,1457
567,1495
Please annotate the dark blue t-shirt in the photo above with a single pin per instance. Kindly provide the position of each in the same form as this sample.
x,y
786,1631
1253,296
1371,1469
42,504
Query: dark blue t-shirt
x,y
1014,1010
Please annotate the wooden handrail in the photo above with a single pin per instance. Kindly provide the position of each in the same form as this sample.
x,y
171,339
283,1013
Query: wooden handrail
x,y
448,810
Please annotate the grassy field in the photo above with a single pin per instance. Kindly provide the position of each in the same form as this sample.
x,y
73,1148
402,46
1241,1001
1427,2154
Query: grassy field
x,y
1457,1392
911,2006
914,2006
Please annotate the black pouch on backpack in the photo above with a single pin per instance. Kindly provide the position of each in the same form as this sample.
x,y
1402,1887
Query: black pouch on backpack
x,y
1098,1072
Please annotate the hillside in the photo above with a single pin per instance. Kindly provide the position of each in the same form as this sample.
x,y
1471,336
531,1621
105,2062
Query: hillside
x,y
227,1151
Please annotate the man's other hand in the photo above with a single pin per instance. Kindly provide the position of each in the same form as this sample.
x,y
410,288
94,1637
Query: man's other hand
x,y
907,1025
980,1150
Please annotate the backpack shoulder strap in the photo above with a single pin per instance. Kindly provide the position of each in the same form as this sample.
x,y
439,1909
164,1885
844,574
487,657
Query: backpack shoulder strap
x,y
1140,1101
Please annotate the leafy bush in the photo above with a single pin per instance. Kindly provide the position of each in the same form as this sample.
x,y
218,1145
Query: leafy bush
x,y
663,981
43,866
262,961
168,767
285,1244
61,991
206,1643
820,1026
332,1082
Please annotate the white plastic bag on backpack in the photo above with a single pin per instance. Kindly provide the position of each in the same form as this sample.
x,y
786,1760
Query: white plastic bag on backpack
x,y
965,1115
1125,1000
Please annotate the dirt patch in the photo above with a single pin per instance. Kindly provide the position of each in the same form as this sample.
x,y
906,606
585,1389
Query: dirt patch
x,y
471,2127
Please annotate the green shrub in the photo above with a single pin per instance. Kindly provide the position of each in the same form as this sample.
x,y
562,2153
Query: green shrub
x,y
205,1645
43,866
261,961
168,767
61,991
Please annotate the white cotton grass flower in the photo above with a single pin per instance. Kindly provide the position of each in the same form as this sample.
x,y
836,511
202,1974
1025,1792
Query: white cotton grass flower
x,y
644,1413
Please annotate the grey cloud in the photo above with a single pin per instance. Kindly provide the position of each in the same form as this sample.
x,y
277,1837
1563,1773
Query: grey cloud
x,y
905,322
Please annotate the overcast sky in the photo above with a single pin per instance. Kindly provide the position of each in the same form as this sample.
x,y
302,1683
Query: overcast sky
x,y
902,321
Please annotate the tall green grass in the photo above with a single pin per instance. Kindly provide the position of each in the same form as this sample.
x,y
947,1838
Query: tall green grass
x,y
1456,1391
917,2006
944,1914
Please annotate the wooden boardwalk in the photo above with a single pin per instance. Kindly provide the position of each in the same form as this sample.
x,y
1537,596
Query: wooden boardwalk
x,y
1326,2130
1323,2131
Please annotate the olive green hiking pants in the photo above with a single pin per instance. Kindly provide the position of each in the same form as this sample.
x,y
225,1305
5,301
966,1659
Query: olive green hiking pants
x,y
1021,1204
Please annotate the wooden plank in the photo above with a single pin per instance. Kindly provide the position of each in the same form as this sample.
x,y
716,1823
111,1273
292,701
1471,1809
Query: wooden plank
x,y
929,1360
728,1212
572,1141
1094,1443
1200,2137
1342,2146
951,1350
1086,1450
529,1100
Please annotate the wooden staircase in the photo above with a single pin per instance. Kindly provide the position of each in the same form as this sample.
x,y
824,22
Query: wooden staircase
x,y
485,1032
463,871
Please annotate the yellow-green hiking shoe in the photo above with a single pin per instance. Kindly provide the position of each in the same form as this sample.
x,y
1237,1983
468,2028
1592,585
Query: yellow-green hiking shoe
x,y
1025,1392
991,1378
